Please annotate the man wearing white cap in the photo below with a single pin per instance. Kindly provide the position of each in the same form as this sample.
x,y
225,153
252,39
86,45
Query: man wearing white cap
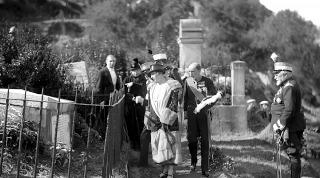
x,y
264,111
287,118
251,105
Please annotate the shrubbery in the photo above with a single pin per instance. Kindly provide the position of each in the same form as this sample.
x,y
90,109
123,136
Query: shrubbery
x,y
27,60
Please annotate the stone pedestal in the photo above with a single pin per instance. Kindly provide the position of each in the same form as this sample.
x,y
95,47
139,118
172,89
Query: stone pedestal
x,y
49,114
238,83
228,119
190,42
232,119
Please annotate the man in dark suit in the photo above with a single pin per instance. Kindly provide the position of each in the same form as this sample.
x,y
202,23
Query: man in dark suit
x,y
108,81
197,87
287,117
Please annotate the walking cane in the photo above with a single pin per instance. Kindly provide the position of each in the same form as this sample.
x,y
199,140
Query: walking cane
x,y
279,175
273,143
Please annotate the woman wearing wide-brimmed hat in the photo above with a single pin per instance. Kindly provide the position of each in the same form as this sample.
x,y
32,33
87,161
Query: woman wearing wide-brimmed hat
x,y
163,119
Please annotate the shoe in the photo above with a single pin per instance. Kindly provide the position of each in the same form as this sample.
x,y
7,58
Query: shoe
x,y
170,176
163,175
205,173
193,168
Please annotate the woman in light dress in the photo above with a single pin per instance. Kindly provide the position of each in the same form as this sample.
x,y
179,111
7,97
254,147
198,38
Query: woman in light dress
x,y
163,97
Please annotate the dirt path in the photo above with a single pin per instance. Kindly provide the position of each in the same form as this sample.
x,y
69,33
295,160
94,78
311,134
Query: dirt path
x,y
182,171
252,158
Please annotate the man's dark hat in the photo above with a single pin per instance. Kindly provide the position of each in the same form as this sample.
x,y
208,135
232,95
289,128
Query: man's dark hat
x,y
135,64
157,68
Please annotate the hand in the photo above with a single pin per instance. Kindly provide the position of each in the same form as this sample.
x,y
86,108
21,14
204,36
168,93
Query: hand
x,y
278,126
275,127
139,99
129,84
221,93
102,104
185,114
204,89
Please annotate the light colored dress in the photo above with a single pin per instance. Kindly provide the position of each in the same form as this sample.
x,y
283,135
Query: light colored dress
x,y
164,101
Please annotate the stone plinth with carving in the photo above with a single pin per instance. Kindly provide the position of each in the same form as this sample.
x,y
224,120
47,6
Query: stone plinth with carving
x,y
190,42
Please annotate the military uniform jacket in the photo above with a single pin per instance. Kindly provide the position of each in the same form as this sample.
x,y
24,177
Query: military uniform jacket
x,y
286,107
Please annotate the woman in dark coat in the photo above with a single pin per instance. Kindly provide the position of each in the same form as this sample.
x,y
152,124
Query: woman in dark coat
x,y
135,85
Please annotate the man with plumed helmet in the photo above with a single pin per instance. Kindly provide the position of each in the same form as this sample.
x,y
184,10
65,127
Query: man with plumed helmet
x,y
287,117
135,85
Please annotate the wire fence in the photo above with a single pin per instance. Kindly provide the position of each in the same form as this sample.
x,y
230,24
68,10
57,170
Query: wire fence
x,y
110,117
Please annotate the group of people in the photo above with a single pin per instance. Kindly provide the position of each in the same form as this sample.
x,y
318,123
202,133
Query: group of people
x,y
263,111
154,93
156,98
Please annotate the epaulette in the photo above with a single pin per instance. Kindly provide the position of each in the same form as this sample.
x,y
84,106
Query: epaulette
x,y
288,84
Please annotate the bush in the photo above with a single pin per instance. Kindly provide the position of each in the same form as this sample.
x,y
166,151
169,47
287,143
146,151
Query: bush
x,y
94,53
27,60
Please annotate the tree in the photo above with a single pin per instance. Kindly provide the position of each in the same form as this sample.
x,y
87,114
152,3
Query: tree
x,y
227,23
36,10
32,64
294,39
138,25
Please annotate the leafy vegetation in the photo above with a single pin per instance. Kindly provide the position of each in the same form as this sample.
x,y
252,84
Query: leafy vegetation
x,y
27,61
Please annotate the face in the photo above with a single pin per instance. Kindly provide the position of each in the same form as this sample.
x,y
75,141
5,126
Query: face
x,y
161,61
264,106
136,72
156,76
194,72
280,76
207,71
111,62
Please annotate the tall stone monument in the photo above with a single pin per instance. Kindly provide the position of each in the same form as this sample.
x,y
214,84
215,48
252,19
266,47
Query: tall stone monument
x,y
232,119
190,42
238,83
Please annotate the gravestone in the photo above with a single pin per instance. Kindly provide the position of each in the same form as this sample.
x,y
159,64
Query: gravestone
x,y
79,70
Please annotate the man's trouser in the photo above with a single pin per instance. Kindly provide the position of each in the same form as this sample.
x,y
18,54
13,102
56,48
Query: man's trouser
x,y
293,147
145,142
198,126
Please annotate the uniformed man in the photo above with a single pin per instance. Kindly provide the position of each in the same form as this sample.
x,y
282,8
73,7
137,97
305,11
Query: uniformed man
x,y
287,117
264,111
252,106
197,87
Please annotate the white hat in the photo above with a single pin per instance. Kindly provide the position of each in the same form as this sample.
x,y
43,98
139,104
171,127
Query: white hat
x,y
282,66
159,56
264,102
251,101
